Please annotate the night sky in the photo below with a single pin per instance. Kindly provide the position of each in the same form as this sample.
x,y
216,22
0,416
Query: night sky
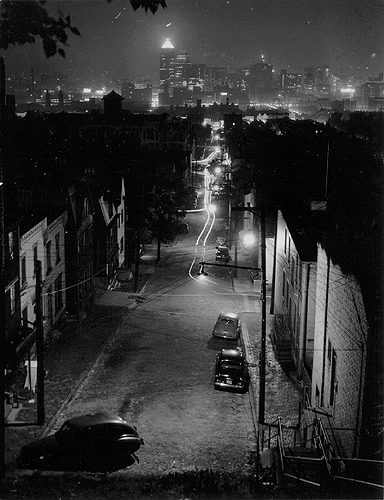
x,y
348,35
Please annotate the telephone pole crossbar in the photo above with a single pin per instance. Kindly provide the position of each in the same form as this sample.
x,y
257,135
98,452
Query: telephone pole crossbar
x,y
229,265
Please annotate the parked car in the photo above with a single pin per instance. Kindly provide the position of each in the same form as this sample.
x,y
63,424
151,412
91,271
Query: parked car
x,y
227,326
231,371
222,253
97,442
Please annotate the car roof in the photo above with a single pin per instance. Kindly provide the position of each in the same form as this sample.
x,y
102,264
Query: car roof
x,y
92,419
229,315
233,354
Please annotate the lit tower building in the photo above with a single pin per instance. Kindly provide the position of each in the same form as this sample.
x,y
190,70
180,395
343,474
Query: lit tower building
x,y
317,80
167,71
182,65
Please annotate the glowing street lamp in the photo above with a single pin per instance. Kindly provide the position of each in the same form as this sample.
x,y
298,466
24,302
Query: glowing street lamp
x,y
249,239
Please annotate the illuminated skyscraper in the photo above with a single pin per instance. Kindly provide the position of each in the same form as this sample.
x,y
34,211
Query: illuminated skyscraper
x,y
182,67
167,71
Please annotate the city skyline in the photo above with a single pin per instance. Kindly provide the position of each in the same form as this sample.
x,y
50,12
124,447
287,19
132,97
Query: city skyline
x,y
347,36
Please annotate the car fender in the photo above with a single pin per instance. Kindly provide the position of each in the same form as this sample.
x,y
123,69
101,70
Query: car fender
x,y
133,443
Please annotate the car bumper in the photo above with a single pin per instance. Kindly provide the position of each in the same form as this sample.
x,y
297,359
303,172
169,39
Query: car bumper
x,y
227,386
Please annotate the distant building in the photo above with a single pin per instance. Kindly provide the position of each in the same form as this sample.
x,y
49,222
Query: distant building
x,y
112,104
371,90
291,83
138,94
317,80
167,72
182,65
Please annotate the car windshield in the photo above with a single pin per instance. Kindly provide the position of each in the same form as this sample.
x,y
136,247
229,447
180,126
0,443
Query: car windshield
x,y
230,365
227,321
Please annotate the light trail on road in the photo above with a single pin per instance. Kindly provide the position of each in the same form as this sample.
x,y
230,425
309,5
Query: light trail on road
x,y
206,231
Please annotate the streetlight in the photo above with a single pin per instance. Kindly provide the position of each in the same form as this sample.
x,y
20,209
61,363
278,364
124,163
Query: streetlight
x,y
249,239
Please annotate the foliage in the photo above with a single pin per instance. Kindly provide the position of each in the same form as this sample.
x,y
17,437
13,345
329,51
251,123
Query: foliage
x,y
24,21
161,214
297,162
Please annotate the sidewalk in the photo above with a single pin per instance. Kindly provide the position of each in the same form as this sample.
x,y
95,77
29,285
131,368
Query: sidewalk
x,y
282,391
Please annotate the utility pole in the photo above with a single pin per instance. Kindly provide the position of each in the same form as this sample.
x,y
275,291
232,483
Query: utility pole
x,y
138,242
2,278
263,318
39,348
261,210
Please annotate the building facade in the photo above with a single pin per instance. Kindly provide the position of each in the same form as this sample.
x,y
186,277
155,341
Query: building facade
x,y
340,351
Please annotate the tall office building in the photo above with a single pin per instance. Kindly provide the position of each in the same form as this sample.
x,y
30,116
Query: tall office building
x,y
261,75
167,71
317,80
182,66
291,83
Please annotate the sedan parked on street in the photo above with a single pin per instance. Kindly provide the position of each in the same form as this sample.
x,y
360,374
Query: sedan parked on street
x,y
227,326
222,253
231,372
97,442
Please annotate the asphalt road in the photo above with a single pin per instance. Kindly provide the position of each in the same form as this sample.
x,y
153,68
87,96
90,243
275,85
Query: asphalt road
x,y
157,369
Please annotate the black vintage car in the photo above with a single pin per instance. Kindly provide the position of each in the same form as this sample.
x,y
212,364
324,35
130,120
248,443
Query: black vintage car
x,y
94,443
231,371
222,253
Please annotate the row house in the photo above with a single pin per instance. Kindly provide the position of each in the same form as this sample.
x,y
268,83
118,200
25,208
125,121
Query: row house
x,y
53,293
295,289
79,250
322,331
14,334
43,242
109,228
32,251
341,346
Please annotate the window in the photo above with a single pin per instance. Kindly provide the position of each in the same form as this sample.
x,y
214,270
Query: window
x,y
34,260
58,293
110,209
333,379
10,298
293,271
49,263
11,245
329,350
285,241
289,250
57,247
121,245
283,284
23,271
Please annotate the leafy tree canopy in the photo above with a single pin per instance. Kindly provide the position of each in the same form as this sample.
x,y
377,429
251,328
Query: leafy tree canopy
x,y
24,21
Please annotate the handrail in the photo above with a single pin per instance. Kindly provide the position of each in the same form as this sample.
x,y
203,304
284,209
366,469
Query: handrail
x,y
322,442
359,481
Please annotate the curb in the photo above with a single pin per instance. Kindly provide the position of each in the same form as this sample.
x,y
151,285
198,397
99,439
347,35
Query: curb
x,y
252,367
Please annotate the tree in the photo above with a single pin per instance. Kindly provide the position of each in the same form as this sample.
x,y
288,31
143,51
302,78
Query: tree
x,y
24,21
162,213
